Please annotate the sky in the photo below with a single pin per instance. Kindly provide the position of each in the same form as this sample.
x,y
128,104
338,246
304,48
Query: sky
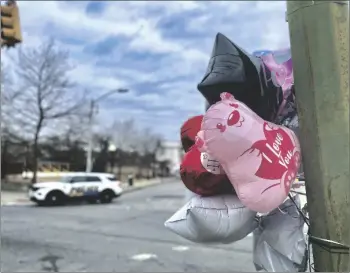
x,y
158,50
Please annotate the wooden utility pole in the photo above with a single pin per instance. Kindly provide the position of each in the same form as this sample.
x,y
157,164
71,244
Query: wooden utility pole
x,y
319,34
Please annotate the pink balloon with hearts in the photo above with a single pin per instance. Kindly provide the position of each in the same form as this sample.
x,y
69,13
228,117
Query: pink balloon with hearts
x,y
260,158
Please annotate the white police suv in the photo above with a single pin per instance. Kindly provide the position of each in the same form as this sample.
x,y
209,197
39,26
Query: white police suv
x,y
92,187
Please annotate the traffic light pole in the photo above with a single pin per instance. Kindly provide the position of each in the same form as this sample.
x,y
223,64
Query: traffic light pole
x,y
319,34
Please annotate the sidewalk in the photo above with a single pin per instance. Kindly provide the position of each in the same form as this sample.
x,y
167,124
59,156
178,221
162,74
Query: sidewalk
x,y
9,197
139,184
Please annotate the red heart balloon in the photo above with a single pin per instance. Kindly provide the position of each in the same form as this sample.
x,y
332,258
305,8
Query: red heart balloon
x,y
203,175
189,131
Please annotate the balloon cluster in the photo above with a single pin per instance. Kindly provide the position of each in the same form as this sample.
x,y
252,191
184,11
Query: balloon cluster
x,y
242,145
242,157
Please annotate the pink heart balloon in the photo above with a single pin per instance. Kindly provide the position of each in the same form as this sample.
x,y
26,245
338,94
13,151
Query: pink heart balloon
x,y
261,159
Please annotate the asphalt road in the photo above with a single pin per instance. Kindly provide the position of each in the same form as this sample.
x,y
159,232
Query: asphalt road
x,y
125,236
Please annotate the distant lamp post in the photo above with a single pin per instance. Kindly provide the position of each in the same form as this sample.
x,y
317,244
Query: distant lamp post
x,y
93,104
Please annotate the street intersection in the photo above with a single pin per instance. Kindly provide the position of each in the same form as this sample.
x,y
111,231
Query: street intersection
x,y
127,235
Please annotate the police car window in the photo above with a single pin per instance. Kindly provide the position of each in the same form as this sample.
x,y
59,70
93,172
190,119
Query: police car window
x,y
76,179
92,179
66,179
112,178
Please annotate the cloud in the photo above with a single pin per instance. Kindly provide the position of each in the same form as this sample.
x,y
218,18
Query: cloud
x,y
159,50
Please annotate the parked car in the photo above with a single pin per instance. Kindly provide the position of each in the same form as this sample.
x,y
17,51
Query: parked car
x,y
92,187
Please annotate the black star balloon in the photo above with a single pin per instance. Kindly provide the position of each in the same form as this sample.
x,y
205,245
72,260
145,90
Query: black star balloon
x,y
232,70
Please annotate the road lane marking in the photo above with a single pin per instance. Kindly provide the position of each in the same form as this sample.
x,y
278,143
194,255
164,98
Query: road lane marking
x,y
180,248
144,257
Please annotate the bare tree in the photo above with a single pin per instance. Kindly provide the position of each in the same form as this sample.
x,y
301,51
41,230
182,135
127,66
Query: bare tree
x,y
149,142
128,138
124,136
7,97
147,145
72,127
44,92
5,101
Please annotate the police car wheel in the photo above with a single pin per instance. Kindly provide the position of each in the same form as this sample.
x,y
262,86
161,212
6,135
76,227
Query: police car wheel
x,y
106,197
54,199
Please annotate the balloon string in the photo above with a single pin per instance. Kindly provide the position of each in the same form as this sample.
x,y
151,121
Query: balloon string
x,y
283,212
306,219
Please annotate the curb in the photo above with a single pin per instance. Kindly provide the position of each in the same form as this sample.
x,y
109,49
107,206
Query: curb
x,y
158,182
128,190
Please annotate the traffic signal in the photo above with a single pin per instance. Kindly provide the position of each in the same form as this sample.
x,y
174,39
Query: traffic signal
x,y
10,25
